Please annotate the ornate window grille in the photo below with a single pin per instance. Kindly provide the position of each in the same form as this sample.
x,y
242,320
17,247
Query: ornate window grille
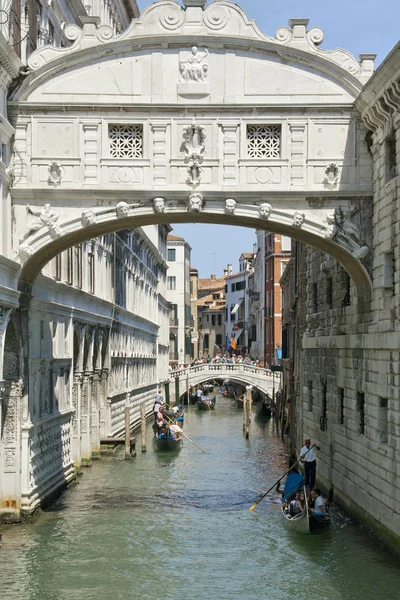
x,y
126,141
264,141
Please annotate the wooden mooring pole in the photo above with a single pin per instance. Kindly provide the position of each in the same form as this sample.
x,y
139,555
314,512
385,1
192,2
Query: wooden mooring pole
x,y
143,427
127,432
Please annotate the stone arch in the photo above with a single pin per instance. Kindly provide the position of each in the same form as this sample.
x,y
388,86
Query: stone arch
x,y
247,214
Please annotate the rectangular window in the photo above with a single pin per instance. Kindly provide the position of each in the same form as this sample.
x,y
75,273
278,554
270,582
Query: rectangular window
x,y
226,289
218,339
78,266
126,141
171,283
208,318
58,267
329,292
91,272
361,412
70,266
264,141
383,422
314,298
324,409
284,264
232,287
390,158
213,320
341,405
347,294
388,275
310,395
171,254
220,320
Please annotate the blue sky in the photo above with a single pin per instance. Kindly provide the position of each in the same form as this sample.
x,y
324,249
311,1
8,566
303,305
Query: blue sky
x,y
367,26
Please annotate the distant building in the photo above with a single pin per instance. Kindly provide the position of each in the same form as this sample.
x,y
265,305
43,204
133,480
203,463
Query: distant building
x,y
194,281
211,315
178,294
277,256
237,305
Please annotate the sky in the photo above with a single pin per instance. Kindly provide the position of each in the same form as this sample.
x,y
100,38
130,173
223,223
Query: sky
x,y
359,26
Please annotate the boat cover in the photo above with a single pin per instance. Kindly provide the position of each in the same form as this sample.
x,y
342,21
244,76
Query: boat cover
x,y
293,482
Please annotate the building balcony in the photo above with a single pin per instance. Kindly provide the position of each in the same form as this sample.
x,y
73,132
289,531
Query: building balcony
x,y
173,322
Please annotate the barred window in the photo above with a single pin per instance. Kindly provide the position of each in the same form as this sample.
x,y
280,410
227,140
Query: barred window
x,y
126,141
263,141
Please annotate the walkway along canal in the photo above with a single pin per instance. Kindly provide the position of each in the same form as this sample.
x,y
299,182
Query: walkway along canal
x,y
178,526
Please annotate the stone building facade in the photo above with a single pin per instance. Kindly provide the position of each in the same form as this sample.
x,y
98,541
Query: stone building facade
x,y
211,315
192,114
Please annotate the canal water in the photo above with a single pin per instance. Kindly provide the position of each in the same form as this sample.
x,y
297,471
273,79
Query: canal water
x,y
170,527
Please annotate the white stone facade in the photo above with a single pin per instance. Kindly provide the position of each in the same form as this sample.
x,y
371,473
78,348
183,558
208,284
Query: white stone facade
x,y
178,294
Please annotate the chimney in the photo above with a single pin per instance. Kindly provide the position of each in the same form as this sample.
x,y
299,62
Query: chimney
x,y
225,272
213,277
229,269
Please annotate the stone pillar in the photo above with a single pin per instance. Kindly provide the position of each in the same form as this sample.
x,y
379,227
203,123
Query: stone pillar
x,y
10,446
298,153
103,427
76,420
86,446
95,412
230,154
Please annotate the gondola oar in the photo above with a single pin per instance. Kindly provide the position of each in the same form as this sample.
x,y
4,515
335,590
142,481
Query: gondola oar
x,y
253,506
176,429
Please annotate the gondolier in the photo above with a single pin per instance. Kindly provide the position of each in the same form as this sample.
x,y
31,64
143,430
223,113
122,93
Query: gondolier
x,y
309,456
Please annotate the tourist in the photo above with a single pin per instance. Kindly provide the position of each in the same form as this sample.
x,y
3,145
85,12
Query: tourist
x,y
319,504
309,457
158,402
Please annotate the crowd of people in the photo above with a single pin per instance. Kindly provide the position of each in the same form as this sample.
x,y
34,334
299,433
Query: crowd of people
x,y
316,504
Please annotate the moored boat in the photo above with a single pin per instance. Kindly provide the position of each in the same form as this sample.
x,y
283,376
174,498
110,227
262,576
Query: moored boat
x,y
206,403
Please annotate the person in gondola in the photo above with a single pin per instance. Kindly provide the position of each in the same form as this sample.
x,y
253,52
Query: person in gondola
x,y
309,457
158,402
319,504
160,421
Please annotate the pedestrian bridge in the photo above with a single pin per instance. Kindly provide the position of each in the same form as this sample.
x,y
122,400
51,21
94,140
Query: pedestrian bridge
x,y
242,374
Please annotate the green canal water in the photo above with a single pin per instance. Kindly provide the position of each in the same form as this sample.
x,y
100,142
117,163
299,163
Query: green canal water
x,y
178,526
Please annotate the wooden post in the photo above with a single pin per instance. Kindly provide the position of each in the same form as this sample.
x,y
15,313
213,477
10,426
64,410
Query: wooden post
x,y
248,412
177,390
143,426
187,389
244,412
127,432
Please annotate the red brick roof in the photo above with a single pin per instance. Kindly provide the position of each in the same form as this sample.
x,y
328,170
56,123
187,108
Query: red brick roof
x,y
175,238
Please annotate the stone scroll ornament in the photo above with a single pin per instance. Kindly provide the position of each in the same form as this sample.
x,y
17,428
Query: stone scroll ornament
x,y
194,147
195,202
341,229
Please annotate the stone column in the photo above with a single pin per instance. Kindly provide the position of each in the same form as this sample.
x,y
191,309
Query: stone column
x,y
10,447
298,153
95,412
230,154
86,390
159,153
76,420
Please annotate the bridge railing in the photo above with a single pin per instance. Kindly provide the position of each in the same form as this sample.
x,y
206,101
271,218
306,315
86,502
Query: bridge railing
x,y
222,368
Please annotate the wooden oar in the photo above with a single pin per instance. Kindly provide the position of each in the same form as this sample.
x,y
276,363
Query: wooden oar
x,y
177,429
253,506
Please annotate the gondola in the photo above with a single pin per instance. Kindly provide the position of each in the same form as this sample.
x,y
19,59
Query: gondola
x,y
305,521
264,409
165,440
206,403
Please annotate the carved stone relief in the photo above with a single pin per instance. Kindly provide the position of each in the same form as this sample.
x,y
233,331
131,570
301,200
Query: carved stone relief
x,y
331,175
298,219
88,218
195,202
159,205
194,66
54,174
345,232
194,147
43,218
230,206
264,210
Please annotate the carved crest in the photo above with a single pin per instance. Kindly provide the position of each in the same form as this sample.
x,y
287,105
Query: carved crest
x,y
194,147
331,175
54,174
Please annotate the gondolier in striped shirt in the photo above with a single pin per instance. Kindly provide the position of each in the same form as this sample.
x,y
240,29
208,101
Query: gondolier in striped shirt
x,y
309,456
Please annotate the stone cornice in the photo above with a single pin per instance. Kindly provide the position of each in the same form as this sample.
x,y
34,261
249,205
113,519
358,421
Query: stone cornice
x,y
9,61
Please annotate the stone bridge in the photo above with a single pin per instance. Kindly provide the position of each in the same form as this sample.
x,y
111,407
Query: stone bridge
x,y
241,374
191,115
